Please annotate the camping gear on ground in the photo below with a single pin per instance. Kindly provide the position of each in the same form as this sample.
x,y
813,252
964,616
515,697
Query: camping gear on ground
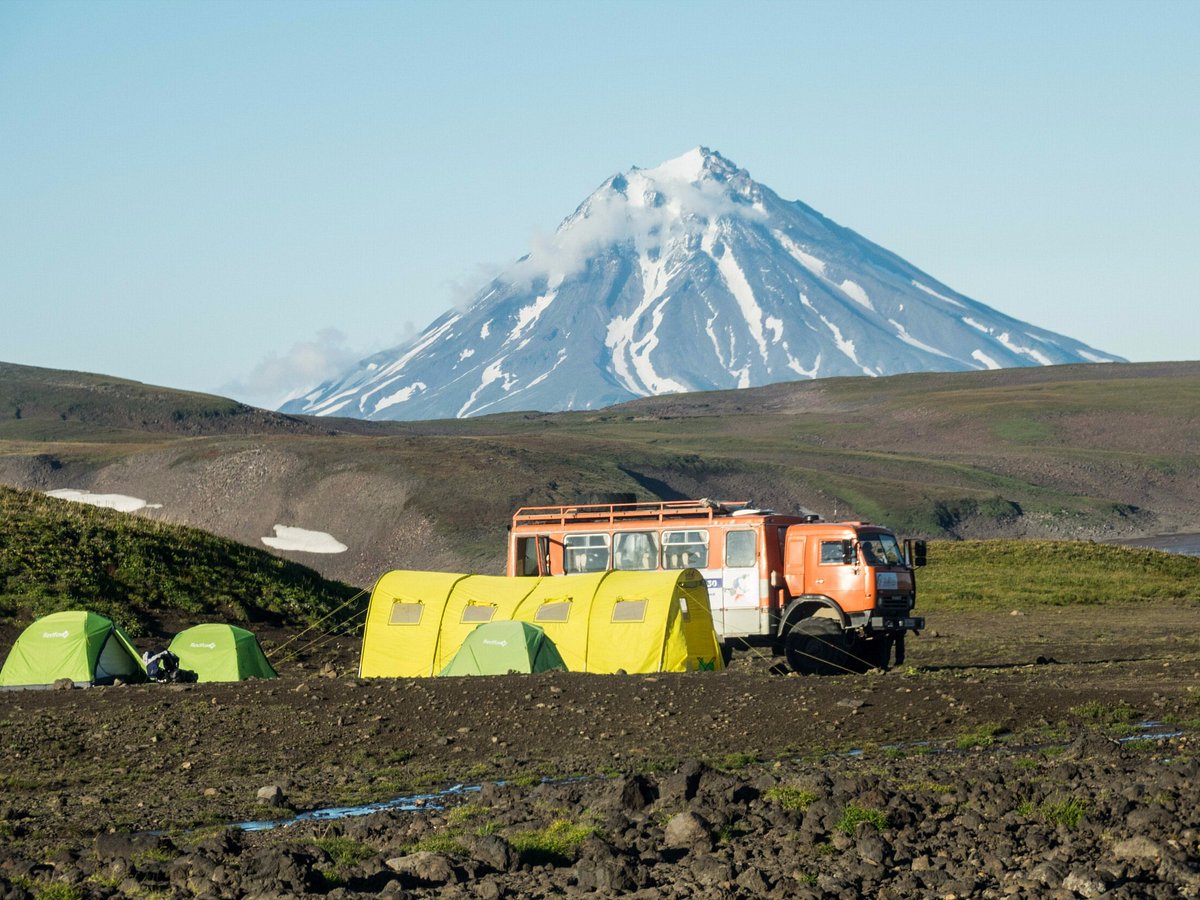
x,y
161,665
497,648
599,622
217,652
83,646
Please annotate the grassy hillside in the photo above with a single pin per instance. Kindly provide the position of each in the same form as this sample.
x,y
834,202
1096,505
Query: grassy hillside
x,y
56,555
1099,452
48,404
1003,575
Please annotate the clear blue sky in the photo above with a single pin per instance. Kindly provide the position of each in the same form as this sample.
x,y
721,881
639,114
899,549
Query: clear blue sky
x,y
213,195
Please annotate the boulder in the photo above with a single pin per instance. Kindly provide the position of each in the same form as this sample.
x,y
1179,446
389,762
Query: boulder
x,y
424,866
687,831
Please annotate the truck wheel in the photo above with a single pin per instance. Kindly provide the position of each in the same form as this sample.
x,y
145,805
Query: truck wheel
x,y
817,647
873,653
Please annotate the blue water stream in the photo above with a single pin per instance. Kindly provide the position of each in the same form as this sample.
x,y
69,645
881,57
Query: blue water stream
x,y
1149,731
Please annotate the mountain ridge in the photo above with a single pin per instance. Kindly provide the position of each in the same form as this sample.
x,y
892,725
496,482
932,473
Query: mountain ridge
x,y
688,276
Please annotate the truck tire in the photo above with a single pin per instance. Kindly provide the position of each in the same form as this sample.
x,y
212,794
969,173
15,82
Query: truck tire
x,y
872,653
818,647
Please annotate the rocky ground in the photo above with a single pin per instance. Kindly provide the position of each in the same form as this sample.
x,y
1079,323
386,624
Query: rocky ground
x,y
1048,754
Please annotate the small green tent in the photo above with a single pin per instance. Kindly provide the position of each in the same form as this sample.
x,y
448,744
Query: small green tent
x,y
497,648
221,653
80,645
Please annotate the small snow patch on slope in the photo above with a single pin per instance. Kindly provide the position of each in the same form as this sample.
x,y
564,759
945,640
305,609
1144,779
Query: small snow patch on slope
x,y
854,291
400,396
529,314
933,293
1012,345
845,345
303,541
119,502
492,373
903,334
735,280
987,361
631,358
807,260
978,326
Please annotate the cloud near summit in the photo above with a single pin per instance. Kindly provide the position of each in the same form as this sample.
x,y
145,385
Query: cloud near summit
x,y
642,206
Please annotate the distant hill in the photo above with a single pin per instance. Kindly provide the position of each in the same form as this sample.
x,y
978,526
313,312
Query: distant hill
x,y
689,276
46,404
148,576
1083,452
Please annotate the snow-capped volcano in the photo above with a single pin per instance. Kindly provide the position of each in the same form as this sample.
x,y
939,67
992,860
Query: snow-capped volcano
x,y
686,277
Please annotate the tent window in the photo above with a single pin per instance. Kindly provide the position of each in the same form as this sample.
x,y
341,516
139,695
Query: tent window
x,y
635,551
406,613
685,549
555,611
478,613
585,553
629,611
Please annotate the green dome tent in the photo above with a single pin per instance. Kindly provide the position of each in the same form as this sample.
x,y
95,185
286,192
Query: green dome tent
x,y
83,646
497,648
221,653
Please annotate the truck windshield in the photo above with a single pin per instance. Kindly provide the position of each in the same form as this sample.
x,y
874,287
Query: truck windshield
x,y
880,550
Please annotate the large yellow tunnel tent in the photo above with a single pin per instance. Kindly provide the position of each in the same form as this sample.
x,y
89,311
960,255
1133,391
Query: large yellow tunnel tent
x,y
600,622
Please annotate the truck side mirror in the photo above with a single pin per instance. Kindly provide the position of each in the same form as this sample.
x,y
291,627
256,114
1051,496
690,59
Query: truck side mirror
x,y
847,552
916,553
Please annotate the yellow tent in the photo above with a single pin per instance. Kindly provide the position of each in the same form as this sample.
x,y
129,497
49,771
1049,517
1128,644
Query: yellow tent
x,y
600,622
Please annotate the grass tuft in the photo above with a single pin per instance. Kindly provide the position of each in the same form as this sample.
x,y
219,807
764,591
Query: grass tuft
x,y
854,815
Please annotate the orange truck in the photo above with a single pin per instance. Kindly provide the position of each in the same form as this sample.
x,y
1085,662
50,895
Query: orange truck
x,y
832,597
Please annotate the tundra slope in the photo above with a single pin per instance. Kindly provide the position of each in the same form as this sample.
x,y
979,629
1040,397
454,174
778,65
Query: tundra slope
x,y
689,276
1088,452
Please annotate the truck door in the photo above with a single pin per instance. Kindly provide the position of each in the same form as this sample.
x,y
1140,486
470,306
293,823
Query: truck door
x,y
839,576
739,600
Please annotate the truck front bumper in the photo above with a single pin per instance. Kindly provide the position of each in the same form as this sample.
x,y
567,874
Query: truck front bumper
x,y
891,624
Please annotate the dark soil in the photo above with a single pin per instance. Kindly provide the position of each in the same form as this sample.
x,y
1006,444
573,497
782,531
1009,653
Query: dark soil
x,y
1048,754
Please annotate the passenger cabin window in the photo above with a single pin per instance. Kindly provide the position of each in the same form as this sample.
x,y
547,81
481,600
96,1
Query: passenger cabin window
x,y
635,551
685,549
739,549
832,553
585,553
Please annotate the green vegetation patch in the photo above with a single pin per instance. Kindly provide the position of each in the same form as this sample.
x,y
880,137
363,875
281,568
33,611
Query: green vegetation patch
x,y
1007,574
854,815
556,844
344,851
1105,713
791,797
983,735
58,555
1068,812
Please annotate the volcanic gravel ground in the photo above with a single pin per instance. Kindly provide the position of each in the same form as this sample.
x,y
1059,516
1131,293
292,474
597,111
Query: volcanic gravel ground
x,y
974,770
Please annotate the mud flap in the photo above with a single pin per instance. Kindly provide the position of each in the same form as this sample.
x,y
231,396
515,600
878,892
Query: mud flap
x,y
899,649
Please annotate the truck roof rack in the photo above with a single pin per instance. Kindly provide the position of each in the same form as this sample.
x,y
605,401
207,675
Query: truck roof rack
x,y
626,512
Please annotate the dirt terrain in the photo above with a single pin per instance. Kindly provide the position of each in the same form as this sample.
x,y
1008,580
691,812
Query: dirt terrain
x,y
1047,754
